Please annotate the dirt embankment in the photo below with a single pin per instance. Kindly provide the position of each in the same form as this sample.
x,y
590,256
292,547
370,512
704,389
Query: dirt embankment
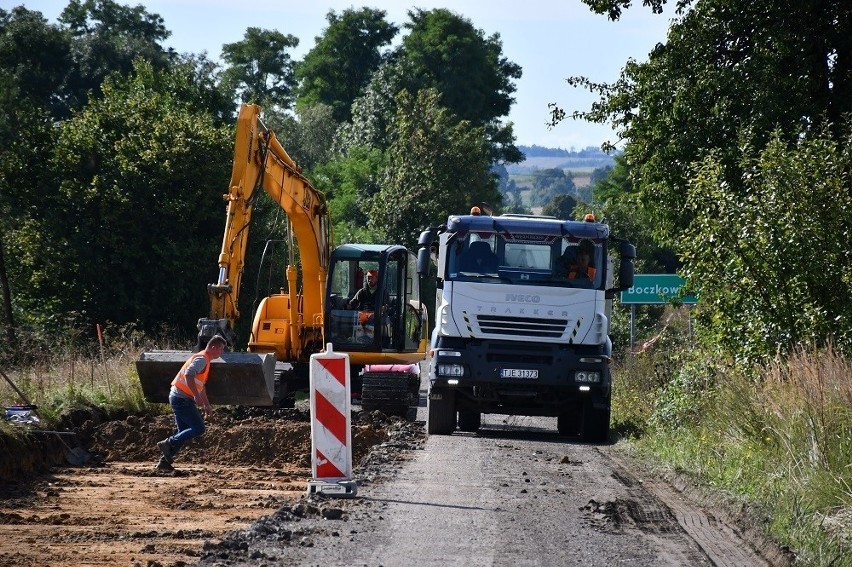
x,y
117,510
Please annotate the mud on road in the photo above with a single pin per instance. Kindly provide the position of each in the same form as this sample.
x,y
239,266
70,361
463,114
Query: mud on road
x,y
117,510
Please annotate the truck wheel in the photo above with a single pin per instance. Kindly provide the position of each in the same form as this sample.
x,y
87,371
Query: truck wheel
x,y
469,420
568,422
595,423
441,411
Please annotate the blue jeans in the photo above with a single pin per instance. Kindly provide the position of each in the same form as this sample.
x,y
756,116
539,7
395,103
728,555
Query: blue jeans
x,y
188,420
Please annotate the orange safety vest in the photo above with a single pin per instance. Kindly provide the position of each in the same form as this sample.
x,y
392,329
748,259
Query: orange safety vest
x,y
590,272
180,381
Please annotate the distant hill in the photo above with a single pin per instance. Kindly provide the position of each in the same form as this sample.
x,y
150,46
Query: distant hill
x,y
538,157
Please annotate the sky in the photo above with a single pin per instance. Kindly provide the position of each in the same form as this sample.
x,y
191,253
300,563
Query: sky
x,y
550,39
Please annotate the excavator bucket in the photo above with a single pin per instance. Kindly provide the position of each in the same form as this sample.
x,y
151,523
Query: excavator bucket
x,y
237,378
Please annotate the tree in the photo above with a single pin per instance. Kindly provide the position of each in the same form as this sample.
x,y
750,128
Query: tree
x,y
773,273
548,183
435,165
34,61
259,68
561,206
729,70
349,182
336,70
446,52
140,171
373,112
106,38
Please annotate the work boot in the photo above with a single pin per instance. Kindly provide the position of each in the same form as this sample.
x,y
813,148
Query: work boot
x,y
166,449
164,465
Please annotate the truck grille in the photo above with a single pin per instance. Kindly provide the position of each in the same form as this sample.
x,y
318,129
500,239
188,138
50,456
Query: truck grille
x,y
527,326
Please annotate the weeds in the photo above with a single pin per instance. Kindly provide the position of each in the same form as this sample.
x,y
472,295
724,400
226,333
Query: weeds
x,y
781,437
77,372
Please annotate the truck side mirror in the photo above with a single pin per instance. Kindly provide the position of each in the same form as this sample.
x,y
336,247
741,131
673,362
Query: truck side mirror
x,y
627,252
423,261
625,274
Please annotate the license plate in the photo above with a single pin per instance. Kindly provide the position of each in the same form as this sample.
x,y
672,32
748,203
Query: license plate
x,y
522,373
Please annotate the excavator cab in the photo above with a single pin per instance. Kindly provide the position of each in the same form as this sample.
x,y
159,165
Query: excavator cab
x,y
373,307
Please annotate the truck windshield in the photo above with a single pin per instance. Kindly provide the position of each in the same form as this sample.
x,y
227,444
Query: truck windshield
x,y
527,259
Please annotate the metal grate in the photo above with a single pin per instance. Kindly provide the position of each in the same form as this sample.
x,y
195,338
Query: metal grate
x,y
496,325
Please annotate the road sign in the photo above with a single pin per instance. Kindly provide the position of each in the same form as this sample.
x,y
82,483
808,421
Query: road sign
x,y
656,289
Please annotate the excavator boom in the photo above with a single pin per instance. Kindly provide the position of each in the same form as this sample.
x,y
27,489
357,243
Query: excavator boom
x,y
298,318
261,164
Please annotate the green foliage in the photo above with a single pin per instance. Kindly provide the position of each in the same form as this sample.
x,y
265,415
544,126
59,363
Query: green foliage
x,y
259,69
434,163
769,251
134,171
348,182
372,112
307,136
548,183
446,52
726,65
561,206
34,62
780,440
106,38
343,60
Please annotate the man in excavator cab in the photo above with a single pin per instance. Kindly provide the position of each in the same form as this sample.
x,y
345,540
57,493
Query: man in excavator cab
x,y
364,301
365,298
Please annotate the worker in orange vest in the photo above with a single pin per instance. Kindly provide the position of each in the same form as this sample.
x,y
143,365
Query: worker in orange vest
x,y
581,268
186,394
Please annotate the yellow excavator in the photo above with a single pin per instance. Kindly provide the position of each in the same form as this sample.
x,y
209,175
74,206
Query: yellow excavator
x,y
314,304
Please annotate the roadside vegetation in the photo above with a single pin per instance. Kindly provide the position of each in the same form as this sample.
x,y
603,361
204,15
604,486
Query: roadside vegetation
x,y
776,438
734,171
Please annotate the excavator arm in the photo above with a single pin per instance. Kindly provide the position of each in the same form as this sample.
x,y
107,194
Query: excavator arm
x,y
261,164
287,325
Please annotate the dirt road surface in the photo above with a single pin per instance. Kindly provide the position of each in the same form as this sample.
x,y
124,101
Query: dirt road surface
x,y
513,494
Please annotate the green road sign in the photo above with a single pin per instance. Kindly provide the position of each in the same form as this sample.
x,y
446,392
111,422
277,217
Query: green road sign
x,y
656,289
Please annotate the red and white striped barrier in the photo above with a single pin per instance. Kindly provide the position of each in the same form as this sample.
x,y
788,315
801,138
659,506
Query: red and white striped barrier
x,y
331,425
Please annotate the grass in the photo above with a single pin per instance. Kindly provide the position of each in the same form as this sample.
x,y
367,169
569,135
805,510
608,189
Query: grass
x,y
781,440
69,376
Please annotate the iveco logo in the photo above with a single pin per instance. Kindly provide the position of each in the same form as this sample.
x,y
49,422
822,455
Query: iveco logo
x,y
519,298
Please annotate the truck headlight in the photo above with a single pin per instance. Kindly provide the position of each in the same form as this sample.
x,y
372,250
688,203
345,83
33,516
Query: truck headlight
x,y
450,370
587,376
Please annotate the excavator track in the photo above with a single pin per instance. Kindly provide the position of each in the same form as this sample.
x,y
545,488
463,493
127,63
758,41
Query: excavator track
x,y
392,390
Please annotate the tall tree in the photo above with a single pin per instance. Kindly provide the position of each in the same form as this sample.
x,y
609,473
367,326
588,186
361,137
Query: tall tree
x,y
141,172
445,51
561,206
35,58
730,69
106,38
779,271
259,69
34,63
336,70
436,164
